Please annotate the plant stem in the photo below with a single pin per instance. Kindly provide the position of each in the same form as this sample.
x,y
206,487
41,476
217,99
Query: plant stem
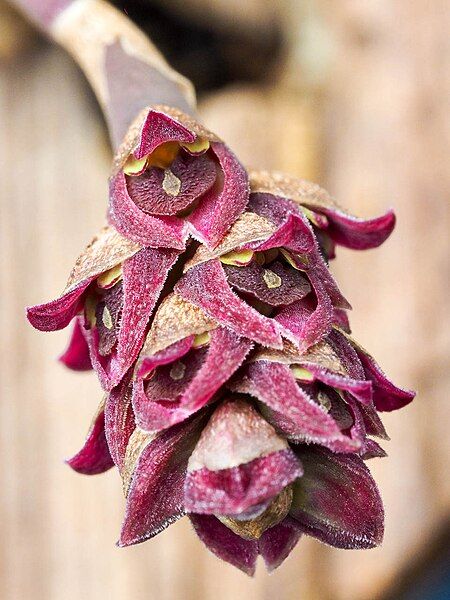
x,y
124,68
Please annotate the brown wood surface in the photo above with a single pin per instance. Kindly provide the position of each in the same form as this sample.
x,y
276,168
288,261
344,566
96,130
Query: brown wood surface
x,y
384,129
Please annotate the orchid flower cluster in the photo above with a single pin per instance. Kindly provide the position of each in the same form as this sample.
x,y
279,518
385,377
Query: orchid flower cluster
x,y
234,391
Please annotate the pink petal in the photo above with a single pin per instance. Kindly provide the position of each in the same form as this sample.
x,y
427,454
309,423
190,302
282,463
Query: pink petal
x,y
273,208
119,421
224,355
225,544
358,234
337,500
130,221
274,385
386,395
206,286
234,490
159,128
155,497
76,355
144,275
306,323
277,543
164,357
360,389
221,206
58,313
94,456
294,233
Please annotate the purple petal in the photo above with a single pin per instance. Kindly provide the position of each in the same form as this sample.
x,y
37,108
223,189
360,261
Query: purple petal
x,y
277,543
130,221
347,354
164,357
159,128
360,364
252,279
221,206
225,544
358,234
337,500
373,450
360,389
58,313
341,319
234,490
304,420
386,395
119,421
224,355
155,496
144,275
206,286
76,355
94,456
304,323
275,209
295,234
195,173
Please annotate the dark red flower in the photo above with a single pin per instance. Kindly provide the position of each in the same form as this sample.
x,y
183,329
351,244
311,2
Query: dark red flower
x,y
174,178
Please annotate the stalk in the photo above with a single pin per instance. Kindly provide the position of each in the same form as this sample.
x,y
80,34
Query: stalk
x,y
124,68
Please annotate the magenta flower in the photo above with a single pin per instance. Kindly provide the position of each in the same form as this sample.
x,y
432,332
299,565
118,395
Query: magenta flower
x,y
243,401
173,178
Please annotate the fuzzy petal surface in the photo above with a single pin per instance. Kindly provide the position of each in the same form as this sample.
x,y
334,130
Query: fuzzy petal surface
x,y
337,500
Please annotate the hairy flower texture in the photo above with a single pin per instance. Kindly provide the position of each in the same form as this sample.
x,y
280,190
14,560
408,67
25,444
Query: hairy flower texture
x,y
111,293
235,393
173,178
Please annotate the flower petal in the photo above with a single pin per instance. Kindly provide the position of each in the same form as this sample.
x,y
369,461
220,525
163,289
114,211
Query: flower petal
x,y
249,227
222,204
337,500
276,285
386,395
169,355
239,462
277,543
94,456
106,250
355,233
274,385
192,176
158,470
206,286
304,322
225,544
58,313
223,357
76,355
175,320
234,490
144,275
119,421
343,228
129,220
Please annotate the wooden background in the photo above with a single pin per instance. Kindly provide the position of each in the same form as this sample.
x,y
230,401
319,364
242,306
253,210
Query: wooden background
x,y
373,127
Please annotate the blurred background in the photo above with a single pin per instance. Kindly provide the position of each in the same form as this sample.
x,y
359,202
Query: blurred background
x,y
353,94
